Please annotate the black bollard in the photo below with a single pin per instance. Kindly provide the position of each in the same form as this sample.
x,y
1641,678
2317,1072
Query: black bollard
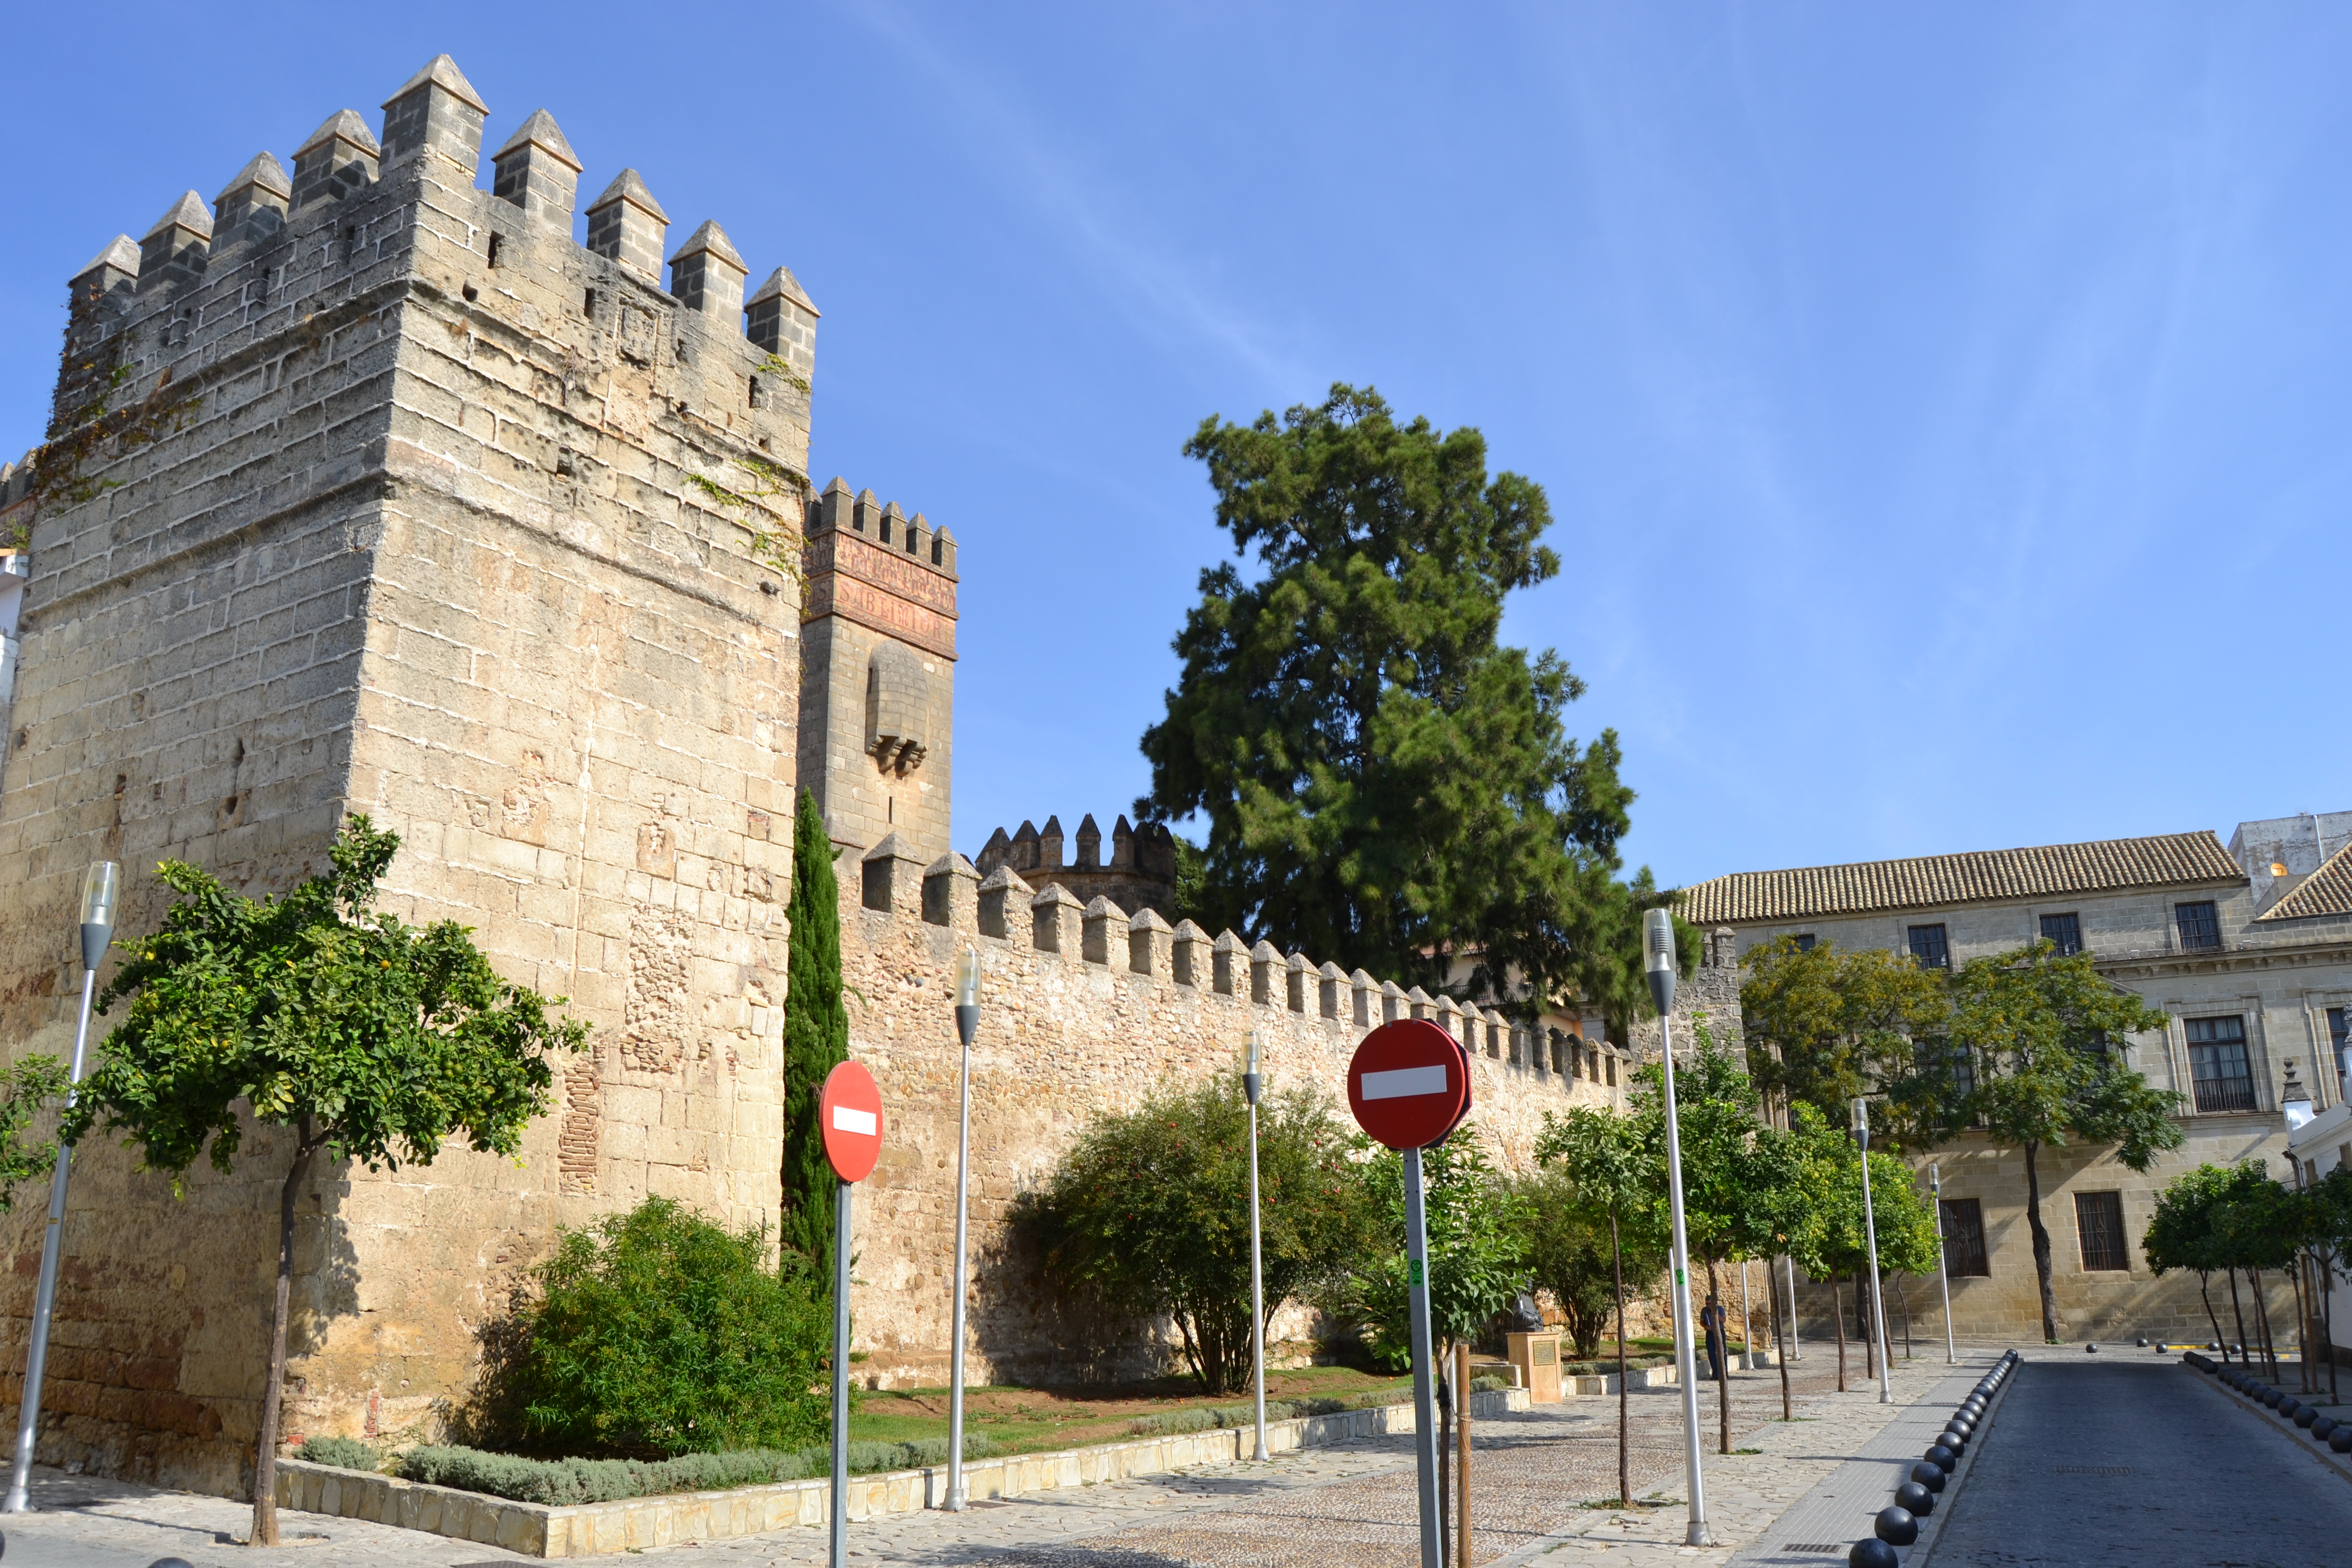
x,y
2341,1439
2142,1342
1929,1475
1917,1498
2090,1350
1873,1553
1943,1458
2304,1416
1896,1527
171,1563
2323,1428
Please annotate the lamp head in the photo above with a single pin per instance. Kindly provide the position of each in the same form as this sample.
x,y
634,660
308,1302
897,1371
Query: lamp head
x,y
1861,1117
98,890
968,978
1658,957
1251,1080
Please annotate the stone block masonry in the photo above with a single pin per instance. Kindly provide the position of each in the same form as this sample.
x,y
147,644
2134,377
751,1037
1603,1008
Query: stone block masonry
x,y
370,491
1084,1010
411,506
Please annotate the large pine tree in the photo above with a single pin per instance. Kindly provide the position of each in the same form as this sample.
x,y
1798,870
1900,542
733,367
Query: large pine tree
x,y
1383,782
816,1039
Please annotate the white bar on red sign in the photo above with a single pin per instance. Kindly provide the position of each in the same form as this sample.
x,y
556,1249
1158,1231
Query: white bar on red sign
x,y
1402,1081
846,1119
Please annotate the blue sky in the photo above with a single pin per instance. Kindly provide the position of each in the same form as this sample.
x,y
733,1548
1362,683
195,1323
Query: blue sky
x,y
1943,406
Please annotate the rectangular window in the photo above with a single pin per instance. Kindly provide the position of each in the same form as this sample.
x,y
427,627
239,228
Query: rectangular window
x,y
1964,1072
2201,928
1964,1239
2217,1064
2099,1224
1575,1057
2339,1046
1805,942
1928,946
2065,930
1611,1062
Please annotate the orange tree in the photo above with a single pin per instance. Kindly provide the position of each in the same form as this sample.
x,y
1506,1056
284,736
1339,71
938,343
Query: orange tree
x,y
1149,1212
365,1037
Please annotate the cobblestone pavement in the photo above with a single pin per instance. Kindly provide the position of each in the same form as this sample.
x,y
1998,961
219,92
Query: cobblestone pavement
x,y
1533,1477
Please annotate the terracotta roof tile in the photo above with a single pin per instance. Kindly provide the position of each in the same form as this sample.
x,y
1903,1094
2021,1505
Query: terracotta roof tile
x,y
2326,891
1930,880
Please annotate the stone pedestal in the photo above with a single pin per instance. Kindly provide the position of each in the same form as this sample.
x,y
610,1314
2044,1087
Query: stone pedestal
x,y
1537,1358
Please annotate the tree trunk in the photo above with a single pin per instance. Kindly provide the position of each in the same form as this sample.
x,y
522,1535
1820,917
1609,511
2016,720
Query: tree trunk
x,y
2302,1326
2238,1313
2204,1281
264,1462
2326,1284
1837,1316
1780,1341
1722,1383
2262,1322
1624,1457
2041,1244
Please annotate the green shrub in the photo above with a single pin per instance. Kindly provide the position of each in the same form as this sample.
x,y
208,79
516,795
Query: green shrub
x,y
349,1453
658,1333
559,1482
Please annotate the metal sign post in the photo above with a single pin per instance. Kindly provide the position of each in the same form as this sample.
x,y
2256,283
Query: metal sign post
x,y
1659,931
1424,1399
1252,1082
967,1025
1870,1234
1943,1271
849,1115
1408,1087
98,899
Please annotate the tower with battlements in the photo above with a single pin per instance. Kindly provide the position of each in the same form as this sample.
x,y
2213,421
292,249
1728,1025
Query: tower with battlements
x,y
878,690
370,488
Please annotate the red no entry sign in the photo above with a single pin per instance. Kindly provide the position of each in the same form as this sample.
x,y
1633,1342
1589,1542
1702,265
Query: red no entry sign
x,y
850,1113
1409,1084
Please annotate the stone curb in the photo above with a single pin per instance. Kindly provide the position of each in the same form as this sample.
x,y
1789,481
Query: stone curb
x,y
634,1525
1931,1529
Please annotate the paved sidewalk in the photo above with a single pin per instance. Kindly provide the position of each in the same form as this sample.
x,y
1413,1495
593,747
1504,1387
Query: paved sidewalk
x,y
1533,1478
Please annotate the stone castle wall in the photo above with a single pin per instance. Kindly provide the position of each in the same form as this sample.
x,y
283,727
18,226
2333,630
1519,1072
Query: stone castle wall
x,y
411,506
1084,1010
421,536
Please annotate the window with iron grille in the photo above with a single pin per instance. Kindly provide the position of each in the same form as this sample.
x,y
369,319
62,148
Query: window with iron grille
x,y
1964,1239
2099,1224
1805,942
2339,1045
2200,928
2218,1066
1928,946
2065,930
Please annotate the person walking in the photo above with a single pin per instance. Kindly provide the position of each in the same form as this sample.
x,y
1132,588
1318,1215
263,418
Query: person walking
x,y
1712,1320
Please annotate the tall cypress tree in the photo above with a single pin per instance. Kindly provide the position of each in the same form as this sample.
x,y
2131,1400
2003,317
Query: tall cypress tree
x,y
816,1037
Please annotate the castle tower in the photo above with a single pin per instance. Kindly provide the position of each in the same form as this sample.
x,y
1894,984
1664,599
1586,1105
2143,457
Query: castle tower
x,y
401,501
878,673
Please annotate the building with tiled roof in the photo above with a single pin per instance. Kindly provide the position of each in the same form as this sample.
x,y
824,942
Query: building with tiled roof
x,y
2247,950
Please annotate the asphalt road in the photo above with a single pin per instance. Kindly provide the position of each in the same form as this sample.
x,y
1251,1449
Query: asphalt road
x,y
2205,1484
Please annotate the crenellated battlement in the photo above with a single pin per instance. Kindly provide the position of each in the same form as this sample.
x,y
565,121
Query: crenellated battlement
x,y
277,252
1141,873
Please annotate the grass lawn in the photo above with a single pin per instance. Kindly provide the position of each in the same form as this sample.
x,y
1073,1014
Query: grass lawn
x,y
1027,1420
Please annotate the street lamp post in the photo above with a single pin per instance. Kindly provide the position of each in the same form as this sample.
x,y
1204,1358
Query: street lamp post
x,y
1252,1082
98,898
1870,1233
967,1024
1659,945
1943,1270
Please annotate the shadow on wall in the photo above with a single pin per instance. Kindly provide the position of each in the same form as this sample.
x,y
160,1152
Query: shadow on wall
x,y
1038,1328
